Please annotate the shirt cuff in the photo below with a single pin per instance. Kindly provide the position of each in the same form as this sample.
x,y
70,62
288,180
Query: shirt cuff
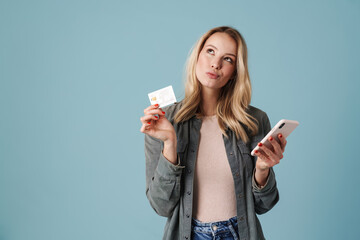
x,y
170,164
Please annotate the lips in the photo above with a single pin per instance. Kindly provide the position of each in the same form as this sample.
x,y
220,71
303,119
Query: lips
x,y
212,75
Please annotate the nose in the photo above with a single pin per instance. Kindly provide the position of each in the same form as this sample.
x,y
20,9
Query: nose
x,y
216,63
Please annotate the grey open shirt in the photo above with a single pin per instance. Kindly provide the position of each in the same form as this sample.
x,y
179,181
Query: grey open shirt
x,y
169,187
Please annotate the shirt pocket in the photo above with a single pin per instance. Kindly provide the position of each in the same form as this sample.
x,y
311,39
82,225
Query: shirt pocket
x,y
247,159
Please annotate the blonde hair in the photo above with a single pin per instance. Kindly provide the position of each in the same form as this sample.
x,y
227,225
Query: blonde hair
x,y
234,97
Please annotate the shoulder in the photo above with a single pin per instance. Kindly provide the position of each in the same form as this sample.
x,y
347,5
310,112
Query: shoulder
x,y
170,111
257,113
262,118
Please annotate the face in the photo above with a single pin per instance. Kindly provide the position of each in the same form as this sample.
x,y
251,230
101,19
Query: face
x,y
217,61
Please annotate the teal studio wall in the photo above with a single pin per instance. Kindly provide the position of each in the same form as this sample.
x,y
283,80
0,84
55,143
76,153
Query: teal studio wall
x,y
74,78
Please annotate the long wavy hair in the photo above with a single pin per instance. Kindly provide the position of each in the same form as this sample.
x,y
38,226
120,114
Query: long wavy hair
x,y
234,97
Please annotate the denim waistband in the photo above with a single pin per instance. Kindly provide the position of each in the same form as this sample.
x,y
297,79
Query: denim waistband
x,y
227,229
197,223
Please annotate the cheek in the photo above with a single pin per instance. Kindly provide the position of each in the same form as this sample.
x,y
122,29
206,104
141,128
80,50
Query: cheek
x,y
200,66
200,62
229,71
197,70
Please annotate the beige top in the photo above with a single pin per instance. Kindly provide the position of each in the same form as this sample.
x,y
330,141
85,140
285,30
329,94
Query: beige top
x,y
214,191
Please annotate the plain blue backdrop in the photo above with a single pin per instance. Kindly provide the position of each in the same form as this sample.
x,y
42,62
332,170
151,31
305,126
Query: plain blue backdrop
x,y
74,78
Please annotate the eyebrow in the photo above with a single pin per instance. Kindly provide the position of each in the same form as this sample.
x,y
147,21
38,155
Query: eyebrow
x,y
209,45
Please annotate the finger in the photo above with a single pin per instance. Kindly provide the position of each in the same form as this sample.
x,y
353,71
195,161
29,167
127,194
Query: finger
x,y
144,128
260,153
270,153
151,107
276,146
148,118
158,111
283,141
162,113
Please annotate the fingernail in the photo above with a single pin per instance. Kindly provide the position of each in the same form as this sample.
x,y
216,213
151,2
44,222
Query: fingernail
x,y
260,144
149,122
270,138
156,105
256,151
163,112
156,117
280,135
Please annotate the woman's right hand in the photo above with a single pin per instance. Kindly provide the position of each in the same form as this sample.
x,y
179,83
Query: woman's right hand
x,y
160,128
157,127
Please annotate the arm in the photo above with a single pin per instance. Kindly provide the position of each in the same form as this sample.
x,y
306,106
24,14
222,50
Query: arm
x,y
162,179
265,191
266,196
162,174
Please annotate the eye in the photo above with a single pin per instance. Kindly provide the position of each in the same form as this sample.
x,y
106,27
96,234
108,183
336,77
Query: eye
x,y
228,59
209,50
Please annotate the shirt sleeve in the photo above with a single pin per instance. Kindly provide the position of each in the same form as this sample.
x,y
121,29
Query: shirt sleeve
x,y
162,178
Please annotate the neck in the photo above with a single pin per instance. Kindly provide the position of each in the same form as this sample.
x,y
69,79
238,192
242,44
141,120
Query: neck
x,y
209,101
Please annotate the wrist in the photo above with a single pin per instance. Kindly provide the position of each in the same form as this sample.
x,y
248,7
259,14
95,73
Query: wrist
x,y
170,142
169,151
261,176
262,171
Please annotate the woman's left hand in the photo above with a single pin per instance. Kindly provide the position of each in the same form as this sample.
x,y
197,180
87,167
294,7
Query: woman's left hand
x,y
270,156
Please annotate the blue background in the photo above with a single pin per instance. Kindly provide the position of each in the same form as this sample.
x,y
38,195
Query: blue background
x,y
74,78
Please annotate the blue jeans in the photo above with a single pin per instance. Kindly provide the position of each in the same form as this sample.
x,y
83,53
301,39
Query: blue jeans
x,y
223,230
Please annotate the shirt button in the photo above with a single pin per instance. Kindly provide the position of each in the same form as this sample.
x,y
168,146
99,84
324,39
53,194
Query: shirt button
x,y
242,219
237,174
189,170
231,153
240,195
187,215
188,192
186,237
192,150
214,227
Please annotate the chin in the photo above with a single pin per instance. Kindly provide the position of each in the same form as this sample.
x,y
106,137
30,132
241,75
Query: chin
x,y
213,84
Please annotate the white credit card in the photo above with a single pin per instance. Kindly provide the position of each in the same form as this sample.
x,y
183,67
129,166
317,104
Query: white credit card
x,y
163,97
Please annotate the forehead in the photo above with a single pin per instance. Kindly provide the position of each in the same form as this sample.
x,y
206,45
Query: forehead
x,y
223,42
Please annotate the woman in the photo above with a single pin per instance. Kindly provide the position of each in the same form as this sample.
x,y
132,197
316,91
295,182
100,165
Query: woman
x,y
199,171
